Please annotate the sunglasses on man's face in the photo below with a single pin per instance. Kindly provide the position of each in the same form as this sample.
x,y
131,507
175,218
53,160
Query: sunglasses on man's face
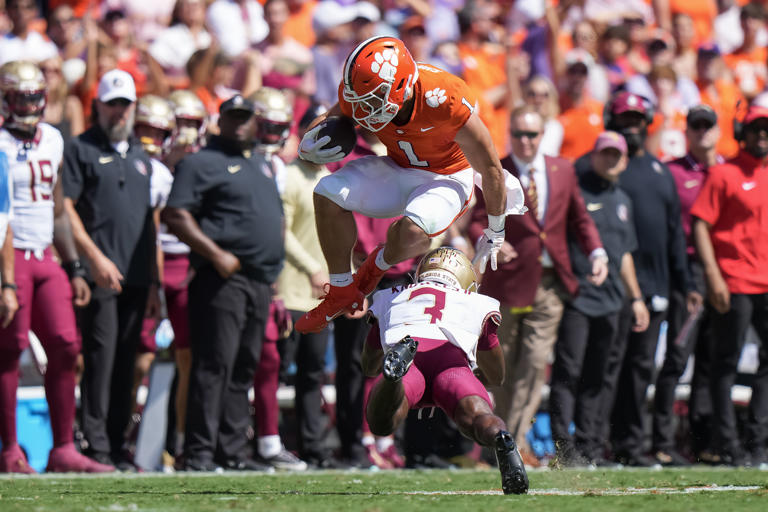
x,y
519,134
118,102
700,125
538,94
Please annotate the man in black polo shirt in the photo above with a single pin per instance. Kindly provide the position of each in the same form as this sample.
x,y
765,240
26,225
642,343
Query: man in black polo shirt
x,y
660,264
106,177
591,320
229,212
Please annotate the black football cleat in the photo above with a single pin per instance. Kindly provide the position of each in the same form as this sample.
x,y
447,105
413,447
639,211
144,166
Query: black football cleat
x,y
514,480
399,359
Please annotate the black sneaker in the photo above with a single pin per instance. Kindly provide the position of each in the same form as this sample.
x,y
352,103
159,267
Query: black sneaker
x,y
734,457
514,480
430,461
200,466
246,465
100,457
326,462
399,359
124,463
758,457
670,458
636,460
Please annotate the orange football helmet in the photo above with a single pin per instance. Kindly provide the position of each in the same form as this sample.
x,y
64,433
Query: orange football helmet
x,y
378,78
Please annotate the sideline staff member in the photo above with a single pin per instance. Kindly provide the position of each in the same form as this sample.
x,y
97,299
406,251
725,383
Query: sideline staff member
x,y
105,178
591,320
229,213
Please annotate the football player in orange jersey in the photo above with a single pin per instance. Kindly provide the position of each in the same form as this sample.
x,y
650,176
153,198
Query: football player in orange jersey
x,y
436,143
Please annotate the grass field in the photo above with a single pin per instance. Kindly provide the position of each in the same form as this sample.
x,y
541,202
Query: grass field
x,y
713,490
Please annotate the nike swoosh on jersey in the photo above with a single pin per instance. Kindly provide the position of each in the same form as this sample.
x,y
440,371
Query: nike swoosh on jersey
x,y
691,183
233,169
593,207
105,159
749,185
427,129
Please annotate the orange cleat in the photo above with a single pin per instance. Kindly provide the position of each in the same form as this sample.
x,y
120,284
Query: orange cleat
x,y
369,275
336,301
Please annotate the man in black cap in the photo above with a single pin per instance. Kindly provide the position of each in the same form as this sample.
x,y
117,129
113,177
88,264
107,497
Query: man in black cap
x,y
688,332
228,211
660,264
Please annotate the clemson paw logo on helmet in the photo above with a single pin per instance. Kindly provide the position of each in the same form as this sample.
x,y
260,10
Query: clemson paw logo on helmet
x,y
435,97
385,64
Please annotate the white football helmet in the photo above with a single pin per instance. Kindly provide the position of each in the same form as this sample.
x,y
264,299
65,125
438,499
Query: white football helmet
x,y
447,266
23,89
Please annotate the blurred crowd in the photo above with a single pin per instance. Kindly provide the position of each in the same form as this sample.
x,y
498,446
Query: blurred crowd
x,y
173,88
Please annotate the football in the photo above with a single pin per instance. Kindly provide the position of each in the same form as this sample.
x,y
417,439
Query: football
x,y
342,132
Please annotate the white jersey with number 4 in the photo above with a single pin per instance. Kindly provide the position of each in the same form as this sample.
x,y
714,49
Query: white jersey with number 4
x,y
34,167
434,311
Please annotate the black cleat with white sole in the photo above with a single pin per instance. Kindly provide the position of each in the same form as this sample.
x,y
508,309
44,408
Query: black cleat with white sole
x,y
400,358
514,480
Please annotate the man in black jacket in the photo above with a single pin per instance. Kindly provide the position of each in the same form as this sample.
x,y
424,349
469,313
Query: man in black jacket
x,y
590,320
660,263
228,211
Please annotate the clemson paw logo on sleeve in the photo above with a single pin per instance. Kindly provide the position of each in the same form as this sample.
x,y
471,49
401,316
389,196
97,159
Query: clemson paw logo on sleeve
x,y
385,64
435,97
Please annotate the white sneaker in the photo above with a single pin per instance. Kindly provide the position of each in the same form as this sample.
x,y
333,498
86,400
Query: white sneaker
x,y
286,461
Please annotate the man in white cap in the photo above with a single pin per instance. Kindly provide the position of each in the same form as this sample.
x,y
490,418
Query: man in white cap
x,y
106,179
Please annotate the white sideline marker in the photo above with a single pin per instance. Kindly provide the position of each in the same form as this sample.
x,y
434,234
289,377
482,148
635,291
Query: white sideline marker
x,y
629,491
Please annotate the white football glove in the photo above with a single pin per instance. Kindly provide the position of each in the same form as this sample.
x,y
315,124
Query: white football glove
x,y
312,150
487,248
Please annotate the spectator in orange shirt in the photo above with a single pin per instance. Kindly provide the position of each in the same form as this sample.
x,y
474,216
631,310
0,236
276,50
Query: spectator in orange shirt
x,y
666,134
581,117
299,24
117,26
210,73
719,92
485,71
701,12
747,63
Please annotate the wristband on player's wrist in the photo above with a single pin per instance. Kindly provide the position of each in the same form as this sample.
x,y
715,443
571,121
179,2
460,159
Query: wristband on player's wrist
x,y
74,269
496,222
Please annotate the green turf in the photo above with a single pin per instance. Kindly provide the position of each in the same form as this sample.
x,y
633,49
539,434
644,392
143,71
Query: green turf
x,y
384,491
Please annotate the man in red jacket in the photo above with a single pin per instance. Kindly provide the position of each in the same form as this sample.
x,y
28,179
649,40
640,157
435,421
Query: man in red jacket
x,y
534,273
730,215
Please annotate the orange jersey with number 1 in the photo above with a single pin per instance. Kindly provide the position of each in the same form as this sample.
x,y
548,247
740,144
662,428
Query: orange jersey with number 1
x,y
443,104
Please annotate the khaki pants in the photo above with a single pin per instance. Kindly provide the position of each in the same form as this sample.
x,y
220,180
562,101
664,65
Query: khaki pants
x,y
527,339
